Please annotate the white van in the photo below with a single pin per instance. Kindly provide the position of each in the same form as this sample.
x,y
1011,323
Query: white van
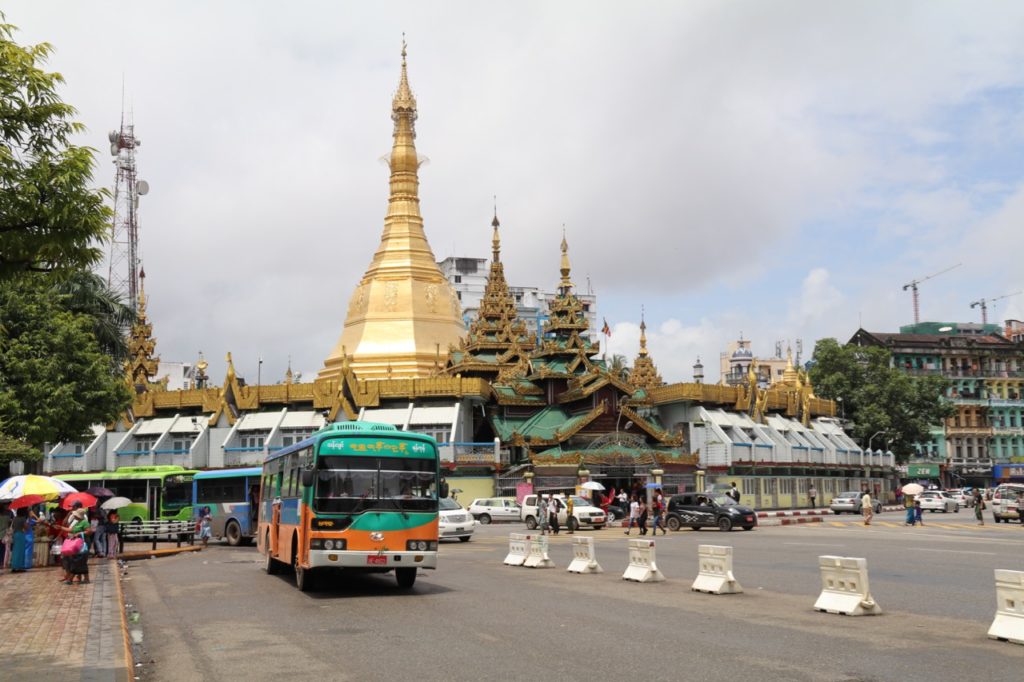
x,y
1004,502
583,511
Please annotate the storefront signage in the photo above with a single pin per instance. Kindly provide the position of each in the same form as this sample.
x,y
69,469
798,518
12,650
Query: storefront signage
x,y
923,470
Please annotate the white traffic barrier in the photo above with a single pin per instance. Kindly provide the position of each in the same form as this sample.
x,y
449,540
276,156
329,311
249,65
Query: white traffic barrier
x,y
518,549
844,587
537,554
643,567
1009,622
584,560
715,573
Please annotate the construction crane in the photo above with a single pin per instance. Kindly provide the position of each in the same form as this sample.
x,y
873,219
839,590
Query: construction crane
x,y
983,302
913,288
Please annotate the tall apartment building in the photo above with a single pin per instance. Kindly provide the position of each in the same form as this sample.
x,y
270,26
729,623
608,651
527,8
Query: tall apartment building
x,y
468,276
986,373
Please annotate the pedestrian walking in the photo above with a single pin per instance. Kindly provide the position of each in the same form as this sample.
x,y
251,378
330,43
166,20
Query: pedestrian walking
x,y
205,525
658,513
113,534
813,494
917,512
554,509
979,507
867,508
634,514
5,535
734,492
568,514
643,518
899,495
542,514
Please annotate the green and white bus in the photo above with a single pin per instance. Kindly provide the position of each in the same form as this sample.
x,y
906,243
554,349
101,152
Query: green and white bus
x,y
156,492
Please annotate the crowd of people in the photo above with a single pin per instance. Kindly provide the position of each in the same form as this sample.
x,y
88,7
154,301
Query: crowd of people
x,y
40,536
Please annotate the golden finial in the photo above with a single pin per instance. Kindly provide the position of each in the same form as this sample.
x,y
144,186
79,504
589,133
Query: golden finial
x,y
231,368
403,101
643,333
202,364
288,376
495,239
142,293
566,283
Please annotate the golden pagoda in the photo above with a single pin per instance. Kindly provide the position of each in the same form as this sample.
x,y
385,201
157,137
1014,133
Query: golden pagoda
x,y
142,365
403,313
645,374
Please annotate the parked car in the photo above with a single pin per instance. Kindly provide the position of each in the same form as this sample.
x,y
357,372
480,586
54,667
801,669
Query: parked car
x,y
850,501
961,497
453,521
583,511
704,510
938,500
487,509
1004,502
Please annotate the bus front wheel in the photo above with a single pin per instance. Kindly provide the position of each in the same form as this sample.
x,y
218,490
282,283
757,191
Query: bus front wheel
x,y
233,533
406,577
272,567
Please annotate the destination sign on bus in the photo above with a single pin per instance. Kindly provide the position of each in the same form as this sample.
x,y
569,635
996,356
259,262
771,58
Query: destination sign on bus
x,y
364,446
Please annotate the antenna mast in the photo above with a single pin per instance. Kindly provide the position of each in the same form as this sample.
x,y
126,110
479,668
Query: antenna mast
x,y
123,273
912,285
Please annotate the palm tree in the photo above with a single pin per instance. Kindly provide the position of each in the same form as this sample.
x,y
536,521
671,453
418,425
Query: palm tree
x,y
618,366
87,293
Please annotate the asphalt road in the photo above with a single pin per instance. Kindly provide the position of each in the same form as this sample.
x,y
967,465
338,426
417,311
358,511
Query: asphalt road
x,y
216,615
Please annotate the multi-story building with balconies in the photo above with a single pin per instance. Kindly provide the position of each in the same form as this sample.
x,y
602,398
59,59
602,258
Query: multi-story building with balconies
x,y
986,374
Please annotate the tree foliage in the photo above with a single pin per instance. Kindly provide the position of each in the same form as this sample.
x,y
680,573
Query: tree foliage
x,y
55,379
87,293
51,219
878,397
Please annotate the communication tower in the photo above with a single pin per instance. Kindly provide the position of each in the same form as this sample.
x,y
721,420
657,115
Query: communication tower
x,y
123,275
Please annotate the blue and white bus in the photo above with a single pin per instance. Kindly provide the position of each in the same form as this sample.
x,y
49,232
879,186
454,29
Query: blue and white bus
x,y
233,498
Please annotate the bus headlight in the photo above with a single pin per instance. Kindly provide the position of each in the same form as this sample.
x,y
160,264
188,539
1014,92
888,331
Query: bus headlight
x,y
328,544
419,545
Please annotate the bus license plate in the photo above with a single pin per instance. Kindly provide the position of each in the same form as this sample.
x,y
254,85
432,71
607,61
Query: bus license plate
x,y
377,560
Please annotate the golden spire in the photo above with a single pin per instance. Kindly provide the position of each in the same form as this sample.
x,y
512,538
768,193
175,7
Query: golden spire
x,y
566,283
643,334
403,306
142,365
645,374
495,239
790,376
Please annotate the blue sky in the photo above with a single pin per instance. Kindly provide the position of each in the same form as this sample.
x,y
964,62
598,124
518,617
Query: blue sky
x,y
779,168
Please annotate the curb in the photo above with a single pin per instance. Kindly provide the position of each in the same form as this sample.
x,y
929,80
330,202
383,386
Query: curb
x,y
789,521
128,657
805,512
153,553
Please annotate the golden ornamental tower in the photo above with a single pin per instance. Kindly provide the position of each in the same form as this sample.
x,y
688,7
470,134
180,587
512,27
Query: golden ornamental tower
x,y
645,374
403,310
142,365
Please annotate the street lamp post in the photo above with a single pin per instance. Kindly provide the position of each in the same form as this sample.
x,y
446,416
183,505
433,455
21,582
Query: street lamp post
x,y
842,408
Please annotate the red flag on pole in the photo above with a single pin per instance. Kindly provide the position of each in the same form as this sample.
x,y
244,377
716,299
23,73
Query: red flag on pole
x,y
606,330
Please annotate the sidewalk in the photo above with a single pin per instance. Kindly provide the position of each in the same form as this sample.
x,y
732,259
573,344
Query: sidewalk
x,y
64,632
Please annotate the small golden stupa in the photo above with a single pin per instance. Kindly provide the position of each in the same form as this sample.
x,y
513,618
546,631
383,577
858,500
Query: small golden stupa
x,y
403,313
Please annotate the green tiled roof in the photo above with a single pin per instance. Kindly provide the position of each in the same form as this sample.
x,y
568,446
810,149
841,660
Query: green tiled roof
x,y
541,425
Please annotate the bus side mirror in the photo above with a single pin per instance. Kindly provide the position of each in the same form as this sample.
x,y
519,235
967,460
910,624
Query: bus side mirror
x,y
307,478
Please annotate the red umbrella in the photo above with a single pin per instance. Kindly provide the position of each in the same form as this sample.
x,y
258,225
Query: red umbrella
x,y
27,501
86,499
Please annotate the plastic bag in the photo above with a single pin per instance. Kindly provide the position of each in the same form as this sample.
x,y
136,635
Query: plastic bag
x,y
72,546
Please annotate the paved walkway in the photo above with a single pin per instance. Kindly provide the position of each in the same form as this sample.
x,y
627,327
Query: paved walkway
x,y
63,632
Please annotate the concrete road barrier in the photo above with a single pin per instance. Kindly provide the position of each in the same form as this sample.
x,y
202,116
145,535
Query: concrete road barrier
x,y
537,557
715,572
844,587
643,567
584,560
1009,621
518,549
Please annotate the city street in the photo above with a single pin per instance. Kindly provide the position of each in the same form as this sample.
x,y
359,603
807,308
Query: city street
x,y
217,615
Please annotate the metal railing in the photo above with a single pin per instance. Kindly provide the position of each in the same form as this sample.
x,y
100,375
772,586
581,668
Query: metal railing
x,y
156,531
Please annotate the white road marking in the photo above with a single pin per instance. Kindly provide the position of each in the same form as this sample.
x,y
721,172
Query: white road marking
x,y
949,551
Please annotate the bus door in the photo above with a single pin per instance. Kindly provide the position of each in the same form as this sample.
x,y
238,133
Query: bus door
x,y
275,513
153,490
253,498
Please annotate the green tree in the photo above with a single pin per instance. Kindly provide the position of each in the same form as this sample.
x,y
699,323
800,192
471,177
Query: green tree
x,y
51,219
55,380
878,397
86,292
618,366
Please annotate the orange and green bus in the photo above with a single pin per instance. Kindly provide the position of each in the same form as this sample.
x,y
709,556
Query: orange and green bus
x,y
156,492
355,496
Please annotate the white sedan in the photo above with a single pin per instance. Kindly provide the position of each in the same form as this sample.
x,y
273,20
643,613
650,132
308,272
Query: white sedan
x,y
487,509
960,496
937,500
453,521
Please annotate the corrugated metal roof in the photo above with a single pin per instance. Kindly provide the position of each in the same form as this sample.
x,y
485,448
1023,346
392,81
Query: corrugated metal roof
x,y
302,420
259,421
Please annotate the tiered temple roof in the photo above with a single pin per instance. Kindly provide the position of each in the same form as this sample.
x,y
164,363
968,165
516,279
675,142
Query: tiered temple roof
x,y
142,364
645,374
498,339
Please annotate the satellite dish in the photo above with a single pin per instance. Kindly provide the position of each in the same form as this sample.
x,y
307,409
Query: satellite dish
x,y
113,149
945,329
138,142
113,135
142,187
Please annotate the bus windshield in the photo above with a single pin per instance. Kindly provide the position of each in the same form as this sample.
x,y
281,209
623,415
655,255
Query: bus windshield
x,y
177,492
356,484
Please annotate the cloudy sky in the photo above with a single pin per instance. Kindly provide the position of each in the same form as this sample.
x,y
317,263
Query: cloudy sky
x,y
774,168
